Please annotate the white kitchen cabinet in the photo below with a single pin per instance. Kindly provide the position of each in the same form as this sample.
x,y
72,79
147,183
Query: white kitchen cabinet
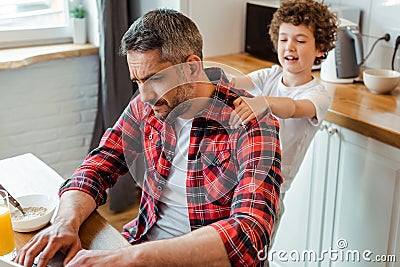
x,y
302,223
367,200
325,160
347,191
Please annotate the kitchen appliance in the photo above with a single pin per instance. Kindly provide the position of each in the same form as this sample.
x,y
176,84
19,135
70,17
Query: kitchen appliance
x,y
258,17
343,62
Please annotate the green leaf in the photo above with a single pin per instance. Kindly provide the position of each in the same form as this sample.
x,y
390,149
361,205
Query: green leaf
x,y
78,12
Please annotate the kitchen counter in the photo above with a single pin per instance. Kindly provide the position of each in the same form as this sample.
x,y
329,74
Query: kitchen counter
x,y
353,106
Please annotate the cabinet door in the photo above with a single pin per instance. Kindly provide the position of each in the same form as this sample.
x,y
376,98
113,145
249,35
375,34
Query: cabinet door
x,y
366,214
302,224
292,231
325,162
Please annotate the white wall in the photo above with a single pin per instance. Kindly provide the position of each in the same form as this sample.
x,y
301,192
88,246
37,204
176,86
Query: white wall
x,y
147,5
92,22
49,109
378,17
222,23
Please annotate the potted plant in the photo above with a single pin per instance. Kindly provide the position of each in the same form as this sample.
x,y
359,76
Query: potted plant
x,y
78,12
78,15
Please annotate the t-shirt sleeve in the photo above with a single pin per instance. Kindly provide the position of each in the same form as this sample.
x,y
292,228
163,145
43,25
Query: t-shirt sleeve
x,y
261,80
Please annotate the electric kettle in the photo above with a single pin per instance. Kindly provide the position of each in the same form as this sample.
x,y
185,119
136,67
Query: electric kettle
x,y
342,64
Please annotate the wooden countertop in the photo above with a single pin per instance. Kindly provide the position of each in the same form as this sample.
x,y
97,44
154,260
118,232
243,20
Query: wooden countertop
x,y
353,106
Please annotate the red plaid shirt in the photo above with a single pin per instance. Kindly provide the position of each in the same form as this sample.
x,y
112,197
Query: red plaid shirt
x,y
233,175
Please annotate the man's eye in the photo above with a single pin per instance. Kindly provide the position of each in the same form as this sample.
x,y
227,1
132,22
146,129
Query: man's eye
x,y
155,78
301,41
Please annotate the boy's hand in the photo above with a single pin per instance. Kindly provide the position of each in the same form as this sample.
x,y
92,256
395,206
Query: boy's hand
x,y
247,109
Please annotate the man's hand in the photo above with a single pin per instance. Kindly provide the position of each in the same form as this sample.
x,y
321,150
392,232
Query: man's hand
x,y
75,206
47,242
91,258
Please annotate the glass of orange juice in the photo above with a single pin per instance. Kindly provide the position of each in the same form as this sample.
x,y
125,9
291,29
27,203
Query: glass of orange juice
x,y
7,243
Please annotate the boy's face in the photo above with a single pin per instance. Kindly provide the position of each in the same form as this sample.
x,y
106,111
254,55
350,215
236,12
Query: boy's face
x,y
296,49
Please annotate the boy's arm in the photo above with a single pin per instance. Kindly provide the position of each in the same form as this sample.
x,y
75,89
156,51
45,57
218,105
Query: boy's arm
x,y
282,107
285,107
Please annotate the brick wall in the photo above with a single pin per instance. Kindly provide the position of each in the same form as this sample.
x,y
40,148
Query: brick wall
x,y
49,109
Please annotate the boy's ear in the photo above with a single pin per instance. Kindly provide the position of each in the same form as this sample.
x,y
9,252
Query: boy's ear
x,y
320,51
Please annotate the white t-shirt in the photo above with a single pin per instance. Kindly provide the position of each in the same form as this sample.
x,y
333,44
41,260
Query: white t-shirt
x,y
173,211
296,134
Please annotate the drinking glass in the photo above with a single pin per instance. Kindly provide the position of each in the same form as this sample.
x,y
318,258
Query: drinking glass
x,y
7,243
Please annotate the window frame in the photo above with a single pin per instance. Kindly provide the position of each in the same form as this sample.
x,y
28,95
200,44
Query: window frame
x,y
38,36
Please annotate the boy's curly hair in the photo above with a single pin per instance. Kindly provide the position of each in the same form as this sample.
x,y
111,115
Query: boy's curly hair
x,y
312,14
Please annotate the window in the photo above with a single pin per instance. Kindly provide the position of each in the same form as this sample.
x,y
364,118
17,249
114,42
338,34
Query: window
x,y
24,22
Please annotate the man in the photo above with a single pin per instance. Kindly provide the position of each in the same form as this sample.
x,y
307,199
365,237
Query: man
x,y
209,194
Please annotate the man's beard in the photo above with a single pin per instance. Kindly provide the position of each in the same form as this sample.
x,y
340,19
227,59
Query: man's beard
x,y
180,104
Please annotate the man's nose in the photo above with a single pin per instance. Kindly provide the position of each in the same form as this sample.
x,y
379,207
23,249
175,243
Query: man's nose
x,y
147,94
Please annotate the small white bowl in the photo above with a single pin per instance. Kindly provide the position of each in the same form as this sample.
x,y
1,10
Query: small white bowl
x,y
381,81
31,223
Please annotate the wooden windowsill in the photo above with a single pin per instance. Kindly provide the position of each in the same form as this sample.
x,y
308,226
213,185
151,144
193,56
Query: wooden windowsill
x,y
12,58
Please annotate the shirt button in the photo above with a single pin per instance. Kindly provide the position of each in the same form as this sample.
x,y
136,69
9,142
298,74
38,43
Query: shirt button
x,y
169,158
151,137
160,187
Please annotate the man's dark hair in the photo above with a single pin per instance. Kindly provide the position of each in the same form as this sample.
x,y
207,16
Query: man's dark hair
x,y
175,35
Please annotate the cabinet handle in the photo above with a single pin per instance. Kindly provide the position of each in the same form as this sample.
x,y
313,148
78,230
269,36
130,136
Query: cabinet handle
x,y
323,127
332,130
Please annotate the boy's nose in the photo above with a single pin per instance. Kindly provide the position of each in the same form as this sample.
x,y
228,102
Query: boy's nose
x,y
290,45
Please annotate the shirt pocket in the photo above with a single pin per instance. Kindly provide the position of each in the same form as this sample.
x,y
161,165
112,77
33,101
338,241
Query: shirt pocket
x,y
215,159
219,177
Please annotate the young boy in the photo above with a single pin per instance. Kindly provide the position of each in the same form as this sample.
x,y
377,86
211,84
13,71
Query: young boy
x,y
302,32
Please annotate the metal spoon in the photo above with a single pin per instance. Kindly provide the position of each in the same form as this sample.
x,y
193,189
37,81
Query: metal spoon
x,y
13,201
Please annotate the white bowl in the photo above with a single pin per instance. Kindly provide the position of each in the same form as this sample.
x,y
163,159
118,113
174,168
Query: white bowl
x,y
381,81
31,223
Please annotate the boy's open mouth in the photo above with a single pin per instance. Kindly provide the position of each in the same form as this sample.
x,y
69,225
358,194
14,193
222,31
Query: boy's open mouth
x,y
291,58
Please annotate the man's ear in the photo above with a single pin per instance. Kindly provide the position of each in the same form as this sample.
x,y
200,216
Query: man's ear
x,y
195,64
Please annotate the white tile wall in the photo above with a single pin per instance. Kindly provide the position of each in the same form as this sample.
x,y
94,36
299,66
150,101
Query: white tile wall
x,y
378,16
49,109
